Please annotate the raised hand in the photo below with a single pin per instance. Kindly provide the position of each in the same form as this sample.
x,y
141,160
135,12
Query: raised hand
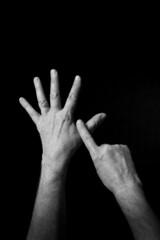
x,y
58,133
113,163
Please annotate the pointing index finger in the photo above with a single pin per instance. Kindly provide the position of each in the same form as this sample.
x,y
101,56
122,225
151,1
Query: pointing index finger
x,y
86,137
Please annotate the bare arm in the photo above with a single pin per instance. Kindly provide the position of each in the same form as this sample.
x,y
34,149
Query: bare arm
x,y
116,170
60,139
49,215
142,220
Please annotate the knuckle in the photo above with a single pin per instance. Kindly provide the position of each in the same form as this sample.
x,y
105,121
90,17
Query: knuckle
x,y
116,145
124,147
85,138
68,116
105,148
54,95
95,155
42,102
73,96
32,114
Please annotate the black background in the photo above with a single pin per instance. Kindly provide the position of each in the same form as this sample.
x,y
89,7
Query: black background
x,y
118,61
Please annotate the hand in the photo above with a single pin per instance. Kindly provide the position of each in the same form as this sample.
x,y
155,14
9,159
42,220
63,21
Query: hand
x,y
113,163
58,133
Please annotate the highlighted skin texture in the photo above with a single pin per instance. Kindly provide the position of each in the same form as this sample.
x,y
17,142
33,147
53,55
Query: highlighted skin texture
x,y
60,139
58,133
115,168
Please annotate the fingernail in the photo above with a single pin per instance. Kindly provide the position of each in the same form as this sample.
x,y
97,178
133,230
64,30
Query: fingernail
x,y
79,122
104,115
20,99
77,78
53,71
36,79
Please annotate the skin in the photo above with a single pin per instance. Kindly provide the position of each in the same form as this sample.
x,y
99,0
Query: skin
x,y
60,139
117,172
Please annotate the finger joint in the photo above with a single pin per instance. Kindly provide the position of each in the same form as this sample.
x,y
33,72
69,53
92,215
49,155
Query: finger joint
x,y
42,102
53,96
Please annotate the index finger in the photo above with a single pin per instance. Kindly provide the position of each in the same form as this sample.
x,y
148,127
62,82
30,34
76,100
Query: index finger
x,y
73,95
42,102
86,137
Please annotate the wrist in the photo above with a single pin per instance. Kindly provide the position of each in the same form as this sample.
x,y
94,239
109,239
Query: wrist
x,y
131,196
54,169
131,190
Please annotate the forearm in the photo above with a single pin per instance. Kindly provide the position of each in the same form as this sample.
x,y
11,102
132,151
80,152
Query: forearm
x,y
143,222
49,214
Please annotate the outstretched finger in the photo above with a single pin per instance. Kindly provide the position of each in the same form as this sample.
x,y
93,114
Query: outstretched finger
x,y
32,113
42,102
95,121
55,100
73,95
87,138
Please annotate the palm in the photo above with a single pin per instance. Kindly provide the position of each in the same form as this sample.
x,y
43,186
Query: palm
x,y
55,124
